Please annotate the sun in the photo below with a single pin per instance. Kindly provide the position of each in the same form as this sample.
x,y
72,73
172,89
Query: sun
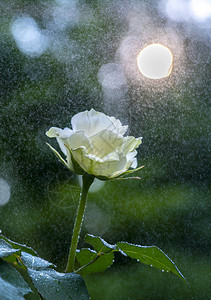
x,y
155,61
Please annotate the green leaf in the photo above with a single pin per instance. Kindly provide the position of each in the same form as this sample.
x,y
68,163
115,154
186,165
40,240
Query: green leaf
x,y
13,277
85,256
49,283
19,246
99,244
91,262
12,255
7,250
150,255
59,286
9,292
35,262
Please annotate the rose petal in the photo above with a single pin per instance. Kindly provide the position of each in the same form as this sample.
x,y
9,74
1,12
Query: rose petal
x,y
61,135
58,132
130,144
97,166
131,160
91,122
131,163
78,139
135,163
120,129
81,156
105,142
109,168
62,145
97,145
53,132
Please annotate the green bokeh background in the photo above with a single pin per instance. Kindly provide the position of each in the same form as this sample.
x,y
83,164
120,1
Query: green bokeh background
x,y
169,207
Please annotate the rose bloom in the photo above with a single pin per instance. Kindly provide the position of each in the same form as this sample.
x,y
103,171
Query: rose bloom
x,y
96,145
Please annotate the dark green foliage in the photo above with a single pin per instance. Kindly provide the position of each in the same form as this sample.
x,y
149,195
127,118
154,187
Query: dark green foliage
x,y
18,246
150,255
96,261
9,292
7,250
13,281
98,243
22,273
91,262
35,262
55,285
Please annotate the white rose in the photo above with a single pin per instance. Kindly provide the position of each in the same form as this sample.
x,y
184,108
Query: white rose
x,y
96,145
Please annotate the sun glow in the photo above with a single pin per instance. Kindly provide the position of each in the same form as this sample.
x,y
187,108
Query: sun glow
x,y
155,61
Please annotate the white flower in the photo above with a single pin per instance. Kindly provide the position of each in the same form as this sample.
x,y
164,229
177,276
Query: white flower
x,y
96,145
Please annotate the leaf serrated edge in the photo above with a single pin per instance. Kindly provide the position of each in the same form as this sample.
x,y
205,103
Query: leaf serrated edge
x,y
179,273
14,244
105,244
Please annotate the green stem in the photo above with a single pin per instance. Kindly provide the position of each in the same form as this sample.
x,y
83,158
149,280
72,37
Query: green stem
x,y
87,181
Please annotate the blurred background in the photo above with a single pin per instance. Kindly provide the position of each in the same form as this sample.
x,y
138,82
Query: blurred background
x,y
60,57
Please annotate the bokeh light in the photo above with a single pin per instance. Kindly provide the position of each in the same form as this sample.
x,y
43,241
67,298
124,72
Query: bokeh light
x,y
29,38
178,10
182,10
201,9
155,61
4,192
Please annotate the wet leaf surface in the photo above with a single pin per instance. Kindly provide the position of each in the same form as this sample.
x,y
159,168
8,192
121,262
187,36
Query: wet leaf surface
x,y
150,255
7,250
95,263
35,262
57,286
18,246
9,292
13,283
98,243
